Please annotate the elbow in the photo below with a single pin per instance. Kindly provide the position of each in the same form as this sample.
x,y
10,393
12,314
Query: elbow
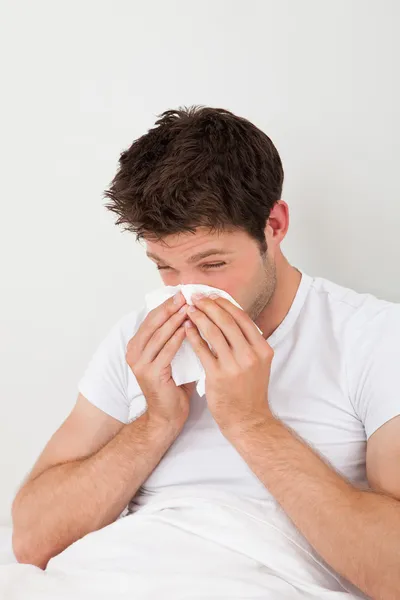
x,y
23,546
26,554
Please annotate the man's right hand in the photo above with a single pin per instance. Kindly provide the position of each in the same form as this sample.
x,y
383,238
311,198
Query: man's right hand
x,y
149,355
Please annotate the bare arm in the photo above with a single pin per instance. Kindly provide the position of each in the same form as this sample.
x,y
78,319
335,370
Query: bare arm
x,y
356,532
85,477
94,464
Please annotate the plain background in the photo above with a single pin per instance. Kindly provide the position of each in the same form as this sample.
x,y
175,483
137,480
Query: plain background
x,y
80,80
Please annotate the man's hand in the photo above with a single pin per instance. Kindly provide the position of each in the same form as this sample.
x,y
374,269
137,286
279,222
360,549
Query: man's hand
x,y
238,368
356,532
149,355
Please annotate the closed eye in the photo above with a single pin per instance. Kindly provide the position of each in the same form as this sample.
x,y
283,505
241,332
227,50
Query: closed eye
x,y
209,266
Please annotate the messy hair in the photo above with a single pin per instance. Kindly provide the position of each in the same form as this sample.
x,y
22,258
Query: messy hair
x,y
197,167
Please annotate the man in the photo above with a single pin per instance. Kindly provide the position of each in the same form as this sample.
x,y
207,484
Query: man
x,y
308,411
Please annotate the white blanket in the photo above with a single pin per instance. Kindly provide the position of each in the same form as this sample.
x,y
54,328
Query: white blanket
x,y
184,548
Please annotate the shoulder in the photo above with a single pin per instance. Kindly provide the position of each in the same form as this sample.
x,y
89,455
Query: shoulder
x,y
126,326
355,314
111,347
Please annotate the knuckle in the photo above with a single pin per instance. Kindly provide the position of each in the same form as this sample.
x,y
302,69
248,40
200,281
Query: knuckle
x,y
152,323
250,359
211,328
156,316
233,370
137,369
131,355
170,307
131,344
228,320
173,340
136,373
150,318
267,352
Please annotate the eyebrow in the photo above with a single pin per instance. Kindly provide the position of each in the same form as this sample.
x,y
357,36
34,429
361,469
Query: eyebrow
x,y
195,257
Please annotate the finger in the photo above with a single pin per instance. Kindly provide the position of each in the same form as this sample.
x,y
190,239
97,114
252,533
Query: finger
x,y
155,319
161,336
188,387
212,334
200,347
227,324
169,350
244,322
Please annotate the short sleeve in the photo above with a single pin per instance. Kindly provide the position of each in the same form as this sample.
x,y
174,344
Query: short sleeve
x,y
105,381
375,370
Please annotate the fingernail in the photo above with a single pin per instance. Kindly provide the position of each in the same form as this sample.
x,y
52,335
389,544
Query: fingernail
x,y
214,296
188,324
177,298
197,295
191,309
183,309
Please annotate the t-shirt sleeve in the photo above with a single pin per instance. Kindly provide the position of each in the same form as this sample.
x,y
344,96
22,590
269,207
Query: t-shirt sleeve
x,y
105,381
376,370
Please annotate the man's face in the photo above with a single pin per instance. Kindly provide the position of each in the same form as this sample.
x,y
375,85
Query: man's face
x,y
237,267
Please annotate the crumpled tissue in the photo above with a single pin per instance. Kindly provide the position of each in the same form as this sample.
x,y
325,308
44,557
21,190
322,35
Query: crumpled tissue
x,y
185,365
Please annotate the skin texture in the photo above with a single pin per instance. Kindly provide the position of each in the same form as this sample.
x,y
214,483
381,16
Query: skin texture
x,y
356,532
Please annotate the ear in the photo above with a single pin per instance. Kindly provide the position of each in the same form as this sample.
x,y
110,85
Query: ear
x,y
277,224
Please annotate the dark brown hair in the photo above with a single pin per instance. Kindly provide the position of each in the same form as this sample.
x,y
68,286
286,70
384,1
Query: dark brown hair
x,y
198,166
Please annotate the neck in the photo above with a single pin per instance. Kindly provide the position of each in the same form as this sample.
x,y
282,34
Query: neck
x,y
287,283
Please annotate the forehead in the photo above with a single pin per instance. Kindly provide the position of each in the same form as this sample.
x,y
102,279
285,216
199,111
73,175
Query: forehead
x,y
186,244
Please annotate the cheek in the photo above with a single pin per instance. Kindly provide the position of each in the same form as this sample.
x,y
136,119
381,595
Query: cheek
x,y
241,285
168,278
237,282
231,282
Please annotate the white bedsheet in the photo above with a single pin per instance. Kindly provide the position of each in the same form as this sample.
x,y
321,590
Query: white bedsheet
x,y
183,547
6,553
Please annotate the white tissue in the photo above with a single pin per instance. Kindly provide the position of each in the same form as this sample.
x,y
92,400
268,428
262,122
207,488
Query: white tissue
x,y
185,365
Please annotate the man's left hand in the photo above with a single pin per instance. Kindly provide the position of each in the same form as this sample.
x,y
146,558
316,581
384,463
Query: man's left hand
x,y
238,368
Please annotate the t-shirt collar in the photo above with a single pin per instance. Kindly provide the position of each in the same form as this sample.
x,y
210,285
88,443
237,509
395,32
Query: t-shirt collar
x,y
296,306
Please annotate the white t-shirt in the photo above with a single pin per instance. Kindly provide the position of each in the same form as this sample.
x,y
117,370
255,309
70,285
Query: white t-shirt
x,y
335,379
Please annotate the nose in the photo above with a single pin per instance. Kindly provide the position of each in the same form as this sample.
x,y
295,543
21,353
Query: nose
x,y
192,280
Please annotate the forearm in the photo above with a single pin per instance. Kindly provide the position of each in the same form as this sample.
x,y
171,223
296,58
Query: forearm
x,y
356,532
70,500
